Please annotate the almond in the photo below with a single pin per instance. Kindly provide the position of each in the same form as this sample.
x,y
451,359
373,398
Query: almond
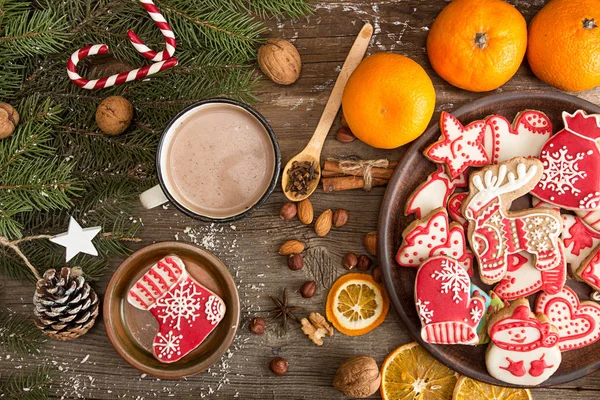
x,y
323,223
305,212
291,247
371,242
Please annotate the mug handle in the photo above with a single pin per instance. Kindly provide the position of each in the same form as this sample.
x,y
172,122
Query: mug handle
x,y
153,197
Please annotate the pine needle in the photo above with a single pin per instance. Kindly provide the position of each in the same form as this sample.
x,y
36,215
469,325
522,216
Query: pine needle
x,y
32,386
19,335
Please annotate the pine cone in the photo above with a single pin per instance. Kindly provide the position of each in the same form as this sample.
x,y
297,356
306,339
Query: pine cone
x,y
66,306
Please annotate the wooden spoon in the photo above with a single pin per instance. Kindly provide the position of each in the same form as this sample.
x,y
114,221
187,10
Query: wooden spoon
x,y
312,151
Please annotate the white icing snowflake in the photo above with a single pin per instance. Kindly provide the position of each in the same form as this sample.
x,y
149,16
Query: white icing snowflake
x,y
424,312
539,234
476,314
183,303
543,246
561,171
454,278
496,219
214,309
537,220
167,345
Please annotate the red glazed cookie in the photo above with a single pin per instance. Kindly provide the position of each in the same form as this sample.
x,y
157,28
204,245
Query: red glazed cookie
x,y
578,324
459,147
448,313
571,161
495,232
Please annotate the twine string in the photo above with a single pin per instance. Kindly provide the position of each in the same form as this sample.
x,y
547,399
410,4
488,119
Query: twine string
x,y
364,167
14,245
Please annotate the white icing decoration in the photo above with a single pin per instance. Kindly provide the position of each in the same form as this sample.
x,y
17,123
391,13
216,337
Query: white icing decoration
x,y
424,312
167,345
183,303
214,309
453,279
561,171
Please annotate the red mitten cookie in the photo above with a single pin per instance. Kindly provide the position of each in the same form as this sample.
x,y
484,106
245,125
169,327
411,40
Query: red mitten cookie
x,y
186,311
459,147
495,233
448,313
578,324
525,137
571,160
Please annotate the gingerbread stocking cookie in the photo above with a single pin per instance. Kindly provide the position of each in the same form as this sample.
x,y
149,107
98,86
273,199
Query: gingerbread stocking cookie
x,y
186,311
495,232
571,161
459,147
525,137
578,324
432,236
448,313
433,193
524,348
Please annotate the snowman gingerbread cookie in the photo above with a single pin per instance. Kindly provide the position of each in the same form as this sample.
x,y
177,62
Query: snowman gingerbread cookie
x,y
524,346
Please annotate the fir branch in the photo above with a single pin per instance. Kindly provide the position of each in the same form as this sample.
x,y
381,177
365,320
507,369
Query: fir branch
x,y
277,8
19,335
34,386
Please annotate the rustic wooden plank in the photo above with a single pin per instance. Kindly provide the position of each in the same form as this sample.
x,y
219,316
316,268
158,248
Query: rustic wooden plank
x,y
90,368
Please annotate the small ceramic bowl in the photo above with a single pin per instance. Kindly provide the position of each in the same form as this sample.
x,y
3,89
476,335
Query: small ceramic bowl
x,y
131,330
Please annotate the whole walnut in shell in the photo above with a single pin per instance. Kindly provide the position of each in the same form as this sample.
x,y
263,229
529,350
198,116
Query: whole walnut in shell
x,y
280,61
114,115
358,377
9,118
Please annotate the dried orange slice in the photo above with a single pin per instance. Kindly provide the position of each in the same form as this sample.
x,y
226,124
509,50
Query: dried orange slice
x,y
470,389
356,304
411,373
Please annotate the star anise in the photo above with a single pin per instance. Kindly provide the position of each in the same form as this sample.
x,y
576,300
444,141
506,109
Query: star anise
x,y
284,310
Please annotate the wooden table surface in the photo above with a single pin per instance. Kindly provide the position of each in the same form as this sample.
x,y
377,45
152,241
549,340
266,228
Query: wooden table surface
x,y
90,368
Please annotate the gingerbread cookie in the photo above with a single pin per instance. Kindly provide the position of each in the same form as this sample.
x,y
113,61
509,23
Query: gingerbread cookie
x,y
524,347
459,147
455,203
571,161
186,311
578,324
434,236
579,239
495,232
592,218
433,193
495,305
589,270
448,313
525,137
523,279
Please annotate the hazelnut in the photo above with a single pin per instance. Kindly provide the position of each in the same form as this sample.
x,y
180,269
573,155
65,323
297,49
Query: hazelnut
x,y
9,118
340,218
344,135
257,325
288,211
278,366
308,289
376,273
364,263
295,262
349,261
371,242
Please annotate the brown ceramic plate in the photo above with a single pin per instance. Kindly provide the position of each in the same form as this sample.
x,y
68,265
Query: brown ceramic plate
x,y
131,330
413,170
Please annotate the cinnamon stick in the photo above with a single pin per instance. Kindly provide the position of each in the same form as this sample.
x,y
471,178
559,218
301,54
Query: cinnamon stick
x,y
331,174
383,173
348,182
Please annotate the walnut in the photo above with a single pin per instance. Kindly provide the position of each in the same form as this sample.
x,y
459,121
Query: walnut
x,y
114,115
316,327
358,377
9,118
280,61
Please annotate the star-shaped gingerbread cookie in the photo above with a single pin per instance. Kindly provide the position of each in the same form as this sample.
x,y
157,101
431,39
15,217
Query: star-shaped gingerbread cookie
x,y
459,147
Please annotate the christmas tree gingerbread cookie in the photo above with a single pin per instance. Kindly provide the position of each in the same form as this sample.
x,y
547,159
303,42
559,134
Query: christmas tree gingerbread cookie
x,y
448,312
186,311
524,346
495,232
525,137
459,147
578,324
431,236
571,161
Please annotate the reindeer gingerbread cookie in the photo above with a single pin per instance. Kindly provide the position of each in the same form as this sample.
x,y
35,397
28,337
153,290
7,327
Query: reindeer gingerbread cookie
x,y
524,346
495,232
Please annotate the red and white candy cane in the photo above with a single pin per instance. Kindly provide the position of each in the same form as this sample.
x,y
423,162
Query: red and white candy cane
x,y
113,79
164,27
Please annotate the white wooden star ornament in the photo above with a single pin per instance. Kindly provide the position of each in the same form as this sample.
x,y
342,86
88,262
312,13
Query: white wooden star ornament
x,y
77,240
